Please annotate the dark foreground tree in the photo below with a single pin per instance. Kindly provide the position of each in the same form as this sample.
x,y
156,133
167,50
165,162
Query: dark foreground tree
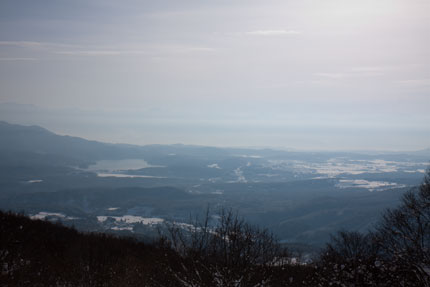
x,y
231,253
396,254
353,259
404,233
40,253
348,256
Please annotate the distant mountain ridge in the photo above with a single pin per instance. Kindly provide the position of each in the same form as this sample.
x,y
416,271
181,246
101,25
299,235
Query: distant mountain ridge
x,y
424,152
34,138
19,138
302,195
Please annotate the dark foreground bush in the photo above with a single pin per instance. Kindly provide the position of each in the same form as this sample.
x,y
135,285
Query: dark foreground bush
x,y
231,253
40,253
396,253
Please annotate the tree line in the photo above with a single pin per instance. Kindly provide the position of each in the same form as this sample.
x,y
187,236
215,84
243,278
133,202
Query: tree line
x,y
229,253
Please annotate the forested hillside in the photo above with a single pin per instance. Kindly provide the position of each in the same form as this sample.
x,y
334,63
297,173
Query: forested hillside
x,y
233,253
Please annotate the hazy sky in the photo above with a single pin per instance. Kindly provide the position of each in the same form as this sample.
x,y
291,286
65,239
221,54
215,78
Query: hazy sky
x,y
310,74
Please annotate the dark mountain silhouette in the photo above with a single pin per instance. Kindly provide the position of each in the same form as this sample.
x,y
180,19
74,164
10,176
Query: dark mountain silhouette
x,y
35,139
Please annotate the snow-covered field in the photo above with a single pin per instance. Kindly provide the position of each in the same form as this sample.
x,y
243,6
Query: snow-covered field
x,y
130,219
338,166
122,175
370,185
54,215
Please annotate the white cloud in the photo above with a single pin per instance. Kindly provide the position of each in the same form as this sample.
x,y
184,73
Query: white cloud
x,y
37,45
98,52
273,32
354,73
370,69
18,59
136,50
153,49
415,82
331,75
23,44
199,49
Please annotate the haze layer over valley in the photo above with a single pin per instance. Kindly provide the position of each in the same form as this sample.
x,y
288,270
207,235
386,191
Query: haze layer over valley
x,y
314,75
301,196
303,116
